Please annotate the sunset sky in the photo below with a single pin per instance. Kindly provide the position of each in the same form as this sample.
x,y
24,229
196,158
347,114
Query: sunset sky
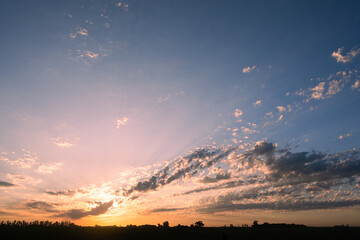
x,y
117,112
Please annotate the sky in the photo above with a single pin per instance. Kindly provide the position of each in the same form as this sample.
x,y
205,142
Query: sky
x,y
119,112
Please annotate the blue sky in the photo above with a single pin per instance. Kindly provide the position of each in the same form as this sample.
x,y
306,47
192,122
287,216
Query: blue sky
x,y
92,92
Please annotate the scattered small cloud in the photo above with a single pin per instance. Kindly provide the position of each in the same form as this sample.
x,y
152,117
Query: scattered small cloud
x,y
281,117
281,109
356,84
121,122
248,130
345,58
269,115
257,103
317,92
79,32
334,87
238,113
248,69
24,160
341,137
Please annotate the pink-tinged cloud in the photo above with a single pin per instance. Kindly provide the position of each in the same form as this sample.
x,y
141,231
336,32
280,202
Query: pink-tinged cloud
x,y
345,58
248,69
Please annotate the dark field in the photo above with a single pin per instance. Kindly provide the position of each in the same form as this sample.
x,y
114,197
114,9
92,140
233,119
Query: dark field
x,y
216,233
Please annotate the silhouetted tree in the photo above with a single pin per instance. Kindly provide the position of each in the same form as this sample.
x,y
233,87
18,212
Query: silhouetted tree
x,y
255,224
199,224
166,224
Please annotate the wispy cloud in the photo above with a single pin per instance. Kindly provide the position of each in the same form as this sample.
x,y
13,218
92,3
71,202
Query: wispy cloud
x,y
121,122
182,167
62,142
248,69
345,58
22,179
163,99
48,168
61,193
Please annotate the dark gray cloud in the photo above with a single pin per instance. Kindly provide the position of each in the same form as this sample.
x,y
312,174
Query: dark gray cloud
x,y
181,168
217,178
280,205
80,213
314,166
6,184
157,210
41,205
61,193
295,180
230,184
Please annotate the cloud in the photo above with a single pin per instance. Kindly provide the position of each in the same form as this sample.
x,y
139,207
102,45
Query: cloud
x,y
281,117
257,103
62,143
334,87
317,92
269,115
79,32
327,88
159,210
22,179
25,160
356,84
61,193
41,205
182,167
48,169
266,124
248,69
217,178
281,109
163,99
238,113
248,130
283,205
6,184
89,54
348,57
80,213
121,122
341,137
